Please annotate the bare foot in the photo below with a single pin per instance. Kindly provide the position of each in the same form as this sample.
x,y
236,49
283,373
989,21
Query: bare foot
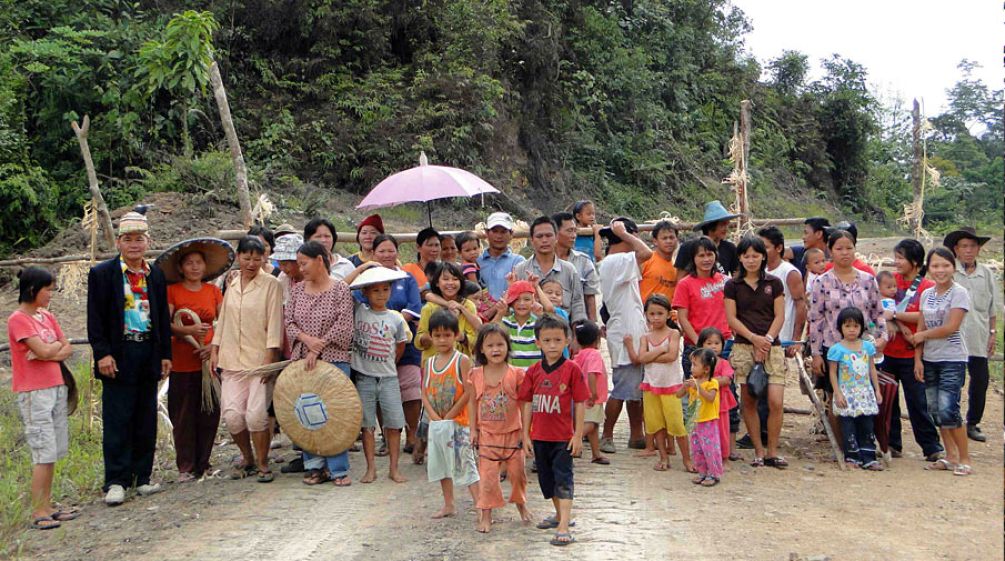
x,y
662,465
484,521
689,468
396,477
526,516
445,512
369,477
645,454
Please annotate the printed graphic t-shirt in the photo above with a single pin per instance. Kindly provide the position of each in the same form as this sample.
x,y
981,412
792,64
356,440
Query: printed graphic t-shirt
x,y
552,392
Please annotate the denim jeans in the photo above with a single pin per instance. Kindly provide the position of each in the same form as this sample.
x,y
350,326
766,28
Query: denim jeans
x,y
922,423
338,465
943,387
859,439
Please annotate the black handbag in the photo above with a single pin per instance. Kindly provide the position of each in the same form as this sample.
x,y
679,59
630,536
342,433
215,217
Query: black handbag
x,y
757,380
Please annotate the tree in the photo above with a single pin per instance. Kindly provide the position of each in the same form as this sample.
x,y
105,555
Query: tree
x,y
847,124
788,72
179,63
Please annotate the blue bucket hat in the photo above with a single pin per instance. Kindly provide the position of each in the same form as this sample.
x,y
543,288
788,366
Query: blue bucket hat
x,y
714,212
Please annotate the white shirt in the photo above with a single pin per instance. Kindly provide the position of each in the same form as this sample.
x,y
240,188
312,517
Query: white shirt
x,y
619,283
782,273
341,268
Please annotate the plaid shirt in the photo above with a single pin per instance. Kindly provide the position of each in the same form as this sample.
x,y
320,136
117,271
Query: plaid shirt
x,y
829,296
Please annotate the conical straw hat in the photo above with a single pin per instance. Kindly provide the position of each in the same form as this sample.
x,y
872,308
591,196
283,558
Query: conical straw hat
x,y
318,409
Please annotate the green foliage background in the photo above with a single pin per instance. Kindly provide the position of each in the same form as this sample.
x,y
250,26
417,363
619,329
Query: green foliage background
x,y
631,103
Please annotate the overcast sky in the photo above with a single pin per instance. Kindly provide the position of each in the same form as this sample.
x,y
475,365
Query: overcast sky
x,y
908,47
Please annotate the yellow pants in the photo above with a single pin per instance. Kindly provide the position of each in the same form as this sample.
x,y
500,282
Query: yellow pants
x,y
663,411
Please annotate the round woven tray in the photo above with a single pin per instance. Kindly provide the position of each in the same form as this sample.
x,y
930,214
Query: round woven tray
x,y
319,409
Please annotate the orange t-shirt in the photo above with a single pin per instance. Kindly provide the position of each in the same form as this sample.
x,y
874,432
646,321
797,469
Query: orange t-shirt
x,y
498,408
658,276
417,273
204,303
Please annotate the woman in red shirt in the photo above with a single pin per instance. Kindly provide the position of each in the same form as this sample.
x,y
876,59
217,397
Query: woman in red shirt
x,y
699,299
37,346
898,364
194,427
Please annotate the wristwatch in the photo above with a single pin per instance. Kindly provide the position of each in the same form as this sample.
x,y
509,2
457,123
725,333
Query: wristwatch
x,y
769,338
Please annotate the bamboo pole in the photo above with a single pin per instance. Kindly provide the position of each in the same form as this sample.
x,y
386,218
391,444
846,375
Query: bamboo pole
x,y
232,235
822,411
92,180
917,171
240,169
404,237
743,202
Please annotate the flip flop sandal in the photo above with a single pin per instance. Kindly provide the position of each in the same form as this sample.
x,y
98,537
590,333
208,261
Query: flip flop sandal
x,y
382,451
316,477
757,462
734,457
710,482
874,466
562,539
265,477
698,480
601,461
65,515
963,470
551,522
342,481
240,472
941,464
44,523
778,463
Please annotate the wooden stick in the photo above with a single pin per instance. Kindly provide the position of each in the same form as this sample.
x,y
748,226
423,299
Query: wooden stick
x,y
232,235
240,169
822,411
92,180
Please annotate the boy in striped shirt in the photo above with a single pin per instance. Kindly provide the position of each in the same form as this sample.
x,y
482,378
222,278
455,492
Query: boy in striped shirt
x,y
524,351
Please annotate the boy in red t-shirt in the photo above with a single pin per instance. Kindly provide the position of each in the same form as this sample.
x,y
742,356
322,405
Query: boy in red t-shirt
x,y
552,390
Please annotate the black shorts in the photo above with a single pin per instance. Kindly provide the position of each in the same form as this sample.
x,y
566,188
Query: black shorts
x,y
554,468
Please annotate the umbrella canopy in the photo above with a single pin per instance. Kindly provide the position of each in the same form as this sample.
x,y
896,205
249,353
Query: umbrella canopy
x,y
423,184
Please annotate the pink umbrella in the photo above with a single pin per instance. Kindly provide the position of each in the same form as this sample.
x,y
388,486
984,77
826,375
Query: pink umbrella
x,y
423,184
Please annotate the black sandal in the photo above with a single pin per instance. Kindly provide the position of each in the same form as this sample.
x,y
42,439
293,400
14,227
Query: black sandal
x,y
316,477
777,462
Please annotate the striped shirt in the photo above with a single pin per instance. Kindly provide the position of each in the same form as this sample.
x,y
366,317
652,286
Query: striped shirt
x,y
523,351
935,309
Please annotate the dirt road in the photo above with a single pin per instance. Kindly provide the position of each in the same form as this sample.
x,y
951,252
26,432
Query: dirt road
x,y
624,511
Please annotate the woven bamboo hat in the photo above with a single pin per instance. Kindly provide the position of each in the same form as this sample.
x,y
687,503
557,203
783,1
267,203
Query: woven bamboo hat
x,y
218,253
318,409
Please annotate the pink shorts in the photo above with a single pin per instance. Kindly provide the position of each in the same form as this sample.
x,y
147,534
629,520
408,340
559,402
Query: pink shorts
x,y
410,381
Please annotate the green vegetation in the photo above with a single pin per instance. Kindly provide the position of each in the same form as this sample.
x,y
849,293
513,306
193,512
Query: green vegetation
x,y
631,103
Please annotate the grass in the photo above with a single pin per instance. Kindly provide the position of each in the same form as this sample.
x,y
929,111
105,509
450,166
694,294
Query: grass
x,y
78,476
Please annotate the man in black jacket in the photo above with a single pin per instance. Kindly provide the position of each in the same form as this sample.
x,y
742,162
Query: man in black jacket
x,y
130,335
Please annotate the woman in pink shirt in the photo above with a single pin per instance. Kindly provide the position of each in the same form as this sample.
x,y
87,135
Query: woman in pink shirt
x,y
37,347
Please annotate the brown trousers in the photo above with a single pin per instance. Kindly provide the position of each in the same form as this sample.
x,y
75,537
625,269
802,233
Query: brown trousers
x,y
194,430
